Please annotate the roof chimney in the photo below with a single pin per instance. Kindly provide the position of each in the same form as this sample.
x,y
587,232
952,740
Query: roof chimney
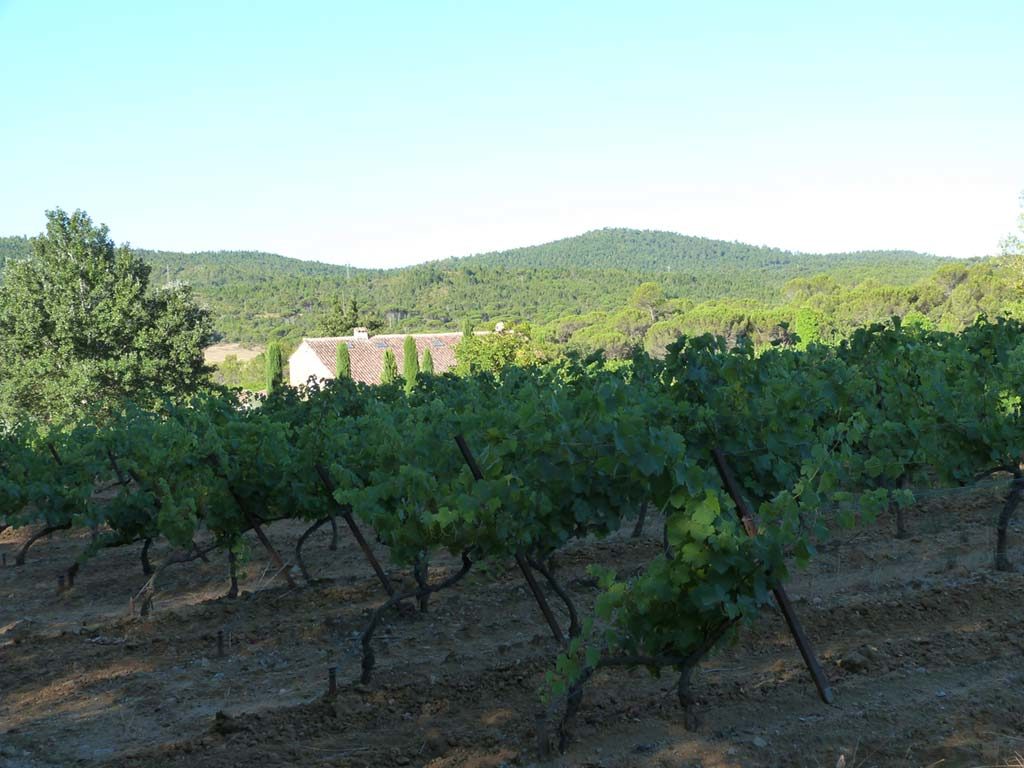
x,y
361,333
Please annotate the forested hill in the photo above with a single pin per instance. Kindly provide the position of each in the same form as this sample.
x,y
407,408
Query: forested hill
x,y
652,252
254,296
12,248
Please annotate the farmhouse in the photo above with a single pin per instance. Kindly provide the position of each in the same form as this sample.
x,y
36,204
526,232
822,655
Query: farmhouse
x,y
316,357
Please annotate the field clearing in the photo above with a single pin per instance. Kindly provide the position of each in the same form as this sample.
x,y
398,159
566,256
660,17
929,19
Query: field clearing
x,y
218,353
921,638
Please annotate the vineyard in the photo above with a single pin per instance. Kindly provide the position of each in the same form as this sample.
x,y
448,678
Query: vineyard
x,y
585,519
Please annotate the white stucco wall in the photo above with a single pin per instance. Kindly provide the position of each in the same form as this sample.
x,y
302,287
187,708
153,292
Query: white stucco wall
x,y
304,363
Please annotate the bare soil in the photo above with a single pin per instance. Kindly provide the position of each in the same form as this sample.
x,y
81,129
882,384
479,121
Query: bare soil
x,y
218,353
923,642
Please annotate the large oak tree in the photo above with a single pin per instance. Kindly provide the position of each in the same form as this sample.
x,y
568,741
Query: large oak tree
x,y
80,328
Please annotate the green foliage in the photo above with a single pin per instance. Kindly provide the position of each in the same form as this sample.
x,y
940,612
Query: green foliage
x,y
275,367
809,325
427,364
340,319
390,373
820,436
493,352
728,289
250,375
255,296
79,326
410,363
649,297
12,248
342,362
817,310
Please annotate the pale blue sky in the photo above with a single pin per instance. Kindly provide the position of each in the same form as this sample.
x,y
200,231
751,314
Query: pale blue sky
x,y
385,133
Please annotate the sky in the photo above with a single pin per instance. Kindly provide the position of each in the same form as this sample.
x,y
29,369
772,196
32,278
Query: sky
x,y
388,133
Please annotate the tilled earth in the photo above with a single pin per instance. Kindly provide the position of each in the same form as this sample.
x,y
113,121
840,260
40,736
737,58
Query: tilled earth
x,y
923,642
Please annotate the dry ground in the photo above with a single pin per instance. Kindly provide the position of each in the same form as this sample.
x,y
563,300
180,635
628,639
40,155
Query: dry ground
x,y
922,640
216,354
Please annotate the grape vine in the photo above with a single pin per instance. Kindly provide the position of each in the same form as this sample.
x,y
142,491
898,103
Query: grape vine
x,y
516,467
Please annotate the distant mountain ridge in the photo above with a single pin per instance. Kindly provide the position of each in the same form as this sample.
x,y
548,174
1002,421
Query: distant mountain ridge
x,y
254,296
658,250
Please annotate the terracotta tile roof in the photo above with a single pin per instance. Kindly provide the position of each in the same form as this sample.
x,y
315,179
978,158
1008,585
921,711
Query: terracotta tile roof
x,y
367,355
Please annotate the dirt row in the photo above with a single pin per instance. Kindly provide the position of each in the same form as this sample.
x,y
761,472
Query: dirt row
x,y
922,640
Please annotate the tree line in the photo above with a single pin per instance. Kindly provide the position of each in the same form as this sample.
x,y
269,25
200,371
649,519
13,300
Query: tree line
x,y
253,297
81,318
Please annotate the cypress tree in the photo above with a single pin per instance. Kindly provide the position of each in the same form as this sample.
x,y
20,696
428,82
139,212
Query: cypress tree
x,y
410,363
390,372
427,366
342,362
275,367
465,349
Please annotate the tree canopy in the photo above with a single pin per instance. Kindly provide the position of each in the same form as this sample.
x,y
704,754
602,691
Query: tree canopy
x,y
254,296
80,328
275,367
390,373
611,290
410,363
339,320
343,362
493,351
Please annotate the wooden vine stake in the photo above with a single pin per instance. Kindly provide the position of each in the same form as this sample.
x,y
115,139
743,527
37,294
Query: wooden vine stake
x,y
254,524
346,513
750,525
332,682
521,560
